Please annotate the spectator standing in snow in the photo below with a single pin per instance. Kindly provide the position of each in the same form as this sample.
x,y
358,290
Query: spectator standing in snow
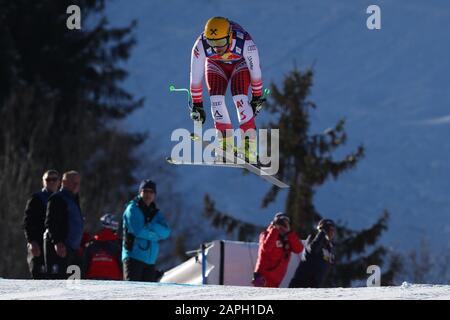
x,y
318,259
102,256
143,227
275,246
64,227
34,223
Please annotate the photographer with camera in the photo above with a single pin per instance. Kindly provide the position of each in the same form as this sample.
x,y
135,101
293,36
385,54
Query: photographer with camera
x,y
319,257
275,246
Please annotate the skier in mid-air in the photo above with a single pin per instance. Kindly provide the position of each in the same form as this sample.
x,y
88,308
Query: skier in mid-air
x,y
224,53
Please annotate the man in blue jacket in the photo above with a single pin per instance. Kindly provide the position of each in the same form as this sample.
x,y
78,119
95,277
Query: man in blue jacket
x,y
143,227
64,227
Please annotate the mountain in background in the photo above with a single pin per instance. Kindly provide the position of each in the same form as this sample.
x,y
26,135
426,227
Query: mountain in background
x,y
392,86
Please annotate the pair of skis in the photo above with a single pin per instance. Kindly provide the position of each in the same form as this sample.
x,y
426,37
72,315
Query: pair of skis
x,y
232,159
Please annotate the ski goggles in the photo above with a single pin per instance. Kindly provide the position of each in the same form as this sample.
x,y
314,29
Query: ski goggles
x,y
222,42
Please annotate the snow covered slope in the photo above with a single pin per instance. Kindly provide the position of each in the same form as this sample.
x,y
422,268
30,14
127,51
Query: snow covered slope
x,y
109,290
391,85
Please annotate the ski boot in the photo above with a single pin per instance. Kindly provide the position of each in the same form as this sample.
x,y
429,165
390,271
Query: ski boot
x,y
226,144
248,151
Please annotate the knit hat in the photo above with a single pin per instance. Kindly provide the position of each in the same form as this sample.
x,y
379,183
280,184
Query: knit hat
x,y
281,216
326,224
147,184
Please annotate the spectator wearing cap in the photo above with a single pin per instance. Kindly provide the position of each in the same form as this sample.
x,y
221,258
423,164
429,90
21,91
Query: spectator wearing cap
x,y
143,227
34,223
102,256
318,258
275,246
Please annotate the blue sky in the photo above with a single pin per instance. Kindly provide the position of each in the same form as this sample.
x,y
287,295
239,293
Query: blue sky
x,y
391,85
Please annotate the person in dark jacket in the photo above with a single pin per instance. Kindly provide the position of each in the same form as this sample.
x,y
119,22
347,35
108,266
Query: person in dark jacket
x,y
319,257
102,256
275,247
33,223
64,227
143,227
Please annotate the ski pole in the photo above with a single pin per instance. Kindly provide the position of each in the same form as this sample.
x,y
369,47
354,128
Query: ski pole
x,y
194,114
188,92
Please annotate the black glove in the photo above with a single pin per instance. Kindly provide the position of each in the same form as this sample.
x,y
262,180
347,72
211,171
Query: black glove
x,y
198,113
256,104
258,280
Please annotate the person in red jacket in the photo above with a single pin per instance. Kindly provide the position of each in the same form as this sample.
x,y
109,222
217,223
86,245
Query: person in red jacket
x,y
102,256
275,246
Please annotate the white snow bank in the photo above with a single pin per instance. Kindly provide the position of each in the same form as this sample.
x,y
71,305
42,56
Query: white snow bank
x,y
110,290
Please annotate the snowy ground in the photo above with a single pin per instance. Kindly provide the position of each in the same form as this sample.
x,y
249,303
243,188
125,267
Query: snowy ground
x,y
108,290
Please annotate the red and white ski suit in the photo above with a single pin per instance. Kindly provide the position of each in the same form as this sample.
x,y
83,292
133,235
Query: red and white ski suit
x,y
239,65
274,254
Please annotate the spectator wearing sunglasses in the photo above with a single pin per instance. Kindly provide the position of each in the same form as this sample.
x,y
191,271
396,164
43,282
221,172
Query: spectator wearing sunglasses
x,y
143,227
33,223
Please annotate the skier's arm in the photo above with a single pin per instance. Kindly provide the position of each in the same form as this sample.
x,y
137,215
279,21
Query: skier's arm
x,y
251,56
294,242
198,59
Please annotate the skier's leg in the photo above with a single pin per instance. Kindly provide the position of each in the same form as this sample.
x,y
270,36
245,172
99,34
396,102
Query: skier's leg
x,y
217,82
220,114
240,82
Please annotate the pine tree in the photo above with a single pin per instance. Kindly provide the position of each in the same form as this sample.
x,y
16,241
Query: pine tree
x,y
307,162
61,105
243,231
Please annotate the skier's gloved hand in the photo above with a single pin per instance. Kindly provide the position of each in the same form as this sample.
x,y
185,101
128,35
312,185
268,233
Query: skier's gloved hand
x,y
198,113
256,104
258,280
